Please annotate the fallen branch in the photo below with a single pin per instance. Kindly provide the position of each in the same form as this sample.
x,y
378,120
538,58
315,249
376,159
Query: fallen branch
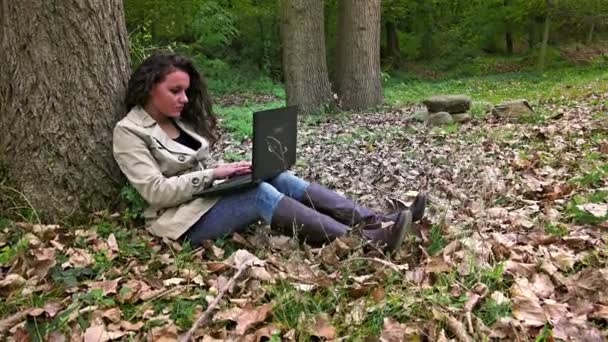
x,y
205,316
458,329
392,266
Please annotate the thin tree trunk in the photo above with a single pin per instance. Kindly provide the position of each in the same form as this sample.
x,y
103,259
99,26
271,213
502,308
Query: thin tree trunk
x,y
64,70
509,33
509,41
590,35
358,62
531,33
545,42
392,40
304,64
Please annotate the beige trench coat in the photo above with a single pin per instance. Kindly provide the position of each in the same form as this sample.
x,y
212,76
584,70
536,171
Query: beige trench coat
x,y
166,173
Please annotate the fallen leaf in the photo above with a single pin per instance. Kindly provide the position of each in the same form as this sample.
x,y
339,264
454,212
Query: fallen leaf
x,y
112,314
96,333
323,328
52,308
107,286
167,333
12,281
393,331
438,265
526,305
600,311
173,281
44,254
246,317
576,329
519,269
596,209
542,285
112,243
554,311
79,257
126,325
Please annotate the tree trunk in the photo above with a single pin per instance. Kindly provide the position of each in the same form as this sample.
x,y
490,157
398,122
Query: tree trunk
x,y
392,40
64,70
543,47
358,62
590,35
509,41
304,64
509,32
531,33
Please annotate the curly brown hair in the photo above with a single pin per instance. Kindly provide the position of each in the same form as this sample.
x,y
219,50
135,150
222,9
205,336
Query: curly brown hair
x,y
198,112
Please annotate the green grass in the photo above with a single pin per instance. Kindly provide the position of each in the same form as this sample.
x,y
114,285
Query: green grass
x,y
403,89
238,120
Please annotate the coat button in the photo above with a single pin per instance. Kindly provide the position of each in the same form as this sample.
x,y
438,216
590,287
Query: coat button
x,y
195,181
181,158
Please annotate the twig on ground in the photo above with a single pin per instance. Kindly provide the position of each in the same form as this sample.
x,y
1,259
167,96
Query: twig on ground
x,y
205,316
392,266
458,329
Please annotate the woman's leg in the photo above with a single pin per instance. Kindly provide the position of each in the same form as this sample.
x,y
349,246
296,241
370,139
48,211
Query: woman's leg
x,y
234,213
290,185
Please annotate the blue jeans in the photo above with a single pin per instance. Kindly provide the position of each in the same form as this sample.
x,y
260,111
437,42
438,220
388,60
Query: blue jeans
x,y
236,212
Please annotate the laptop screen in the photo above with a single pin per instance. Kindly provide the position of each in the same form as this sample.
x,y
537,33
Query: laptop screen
x,y
274,141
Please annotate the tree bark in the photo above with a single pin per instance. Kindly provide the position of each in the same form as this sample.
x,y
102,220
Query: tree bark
x,y
304,64
545,42
392,40
590,35
509,41
531,33
358,54
64,70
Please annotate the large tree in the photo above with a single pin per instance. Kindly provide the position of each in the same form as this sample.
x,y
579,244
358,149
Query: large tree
x,y
304,63
358,62
64,70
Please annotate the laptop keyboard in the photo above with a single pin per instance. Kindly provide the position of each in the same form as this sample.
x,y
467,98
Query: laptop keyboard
x,y
237,180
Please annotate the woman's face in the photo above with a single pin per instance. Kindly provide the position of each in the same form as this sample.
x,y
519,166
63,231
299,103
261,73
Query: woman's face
x,y
168,97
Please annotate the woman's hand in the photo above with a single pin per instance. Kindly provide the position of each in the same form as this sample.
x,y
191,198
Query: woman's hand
x,y
232,169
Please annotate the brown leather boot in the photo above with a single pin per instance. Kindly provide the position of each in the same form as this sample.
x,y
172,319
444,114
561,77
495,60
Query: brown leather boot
x,y
392,236
417,208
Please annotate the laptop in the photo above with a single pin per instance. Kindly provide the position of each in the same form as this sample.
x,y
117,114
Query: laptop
x,y
274,150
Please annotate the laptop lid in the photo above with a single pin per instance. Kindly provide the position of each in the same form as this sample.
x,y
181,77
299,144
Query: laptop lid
x,y
275,134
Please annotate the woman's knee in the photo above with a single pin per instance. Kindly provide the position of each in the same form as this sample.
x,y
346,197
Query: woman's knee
x,y
267,199
290,184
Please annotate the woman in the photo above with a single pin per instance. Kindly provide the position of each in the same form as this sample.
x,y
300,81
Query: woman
x,y
162,146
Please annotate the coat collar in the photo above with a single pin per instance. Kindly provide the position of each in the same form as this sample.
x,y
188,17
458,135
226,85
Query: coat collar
x,y
140,117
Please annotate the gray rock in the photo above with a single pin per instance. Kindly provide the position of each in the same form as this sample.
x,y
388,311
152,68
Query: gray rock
x,y
461,117
448,103
513,109
441,118
421,115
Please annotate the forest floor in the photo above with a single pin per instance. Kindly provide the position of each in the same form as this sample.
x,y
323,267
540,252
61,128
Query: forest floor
x,y
513,246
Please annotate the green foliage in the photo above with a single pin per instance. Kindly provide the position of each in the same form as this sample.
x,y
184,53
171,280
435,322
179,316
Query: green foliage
x,y
10,252
135,203
437,240
403,88
556,229
582,216
594,178
490,311
182,312
238,120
